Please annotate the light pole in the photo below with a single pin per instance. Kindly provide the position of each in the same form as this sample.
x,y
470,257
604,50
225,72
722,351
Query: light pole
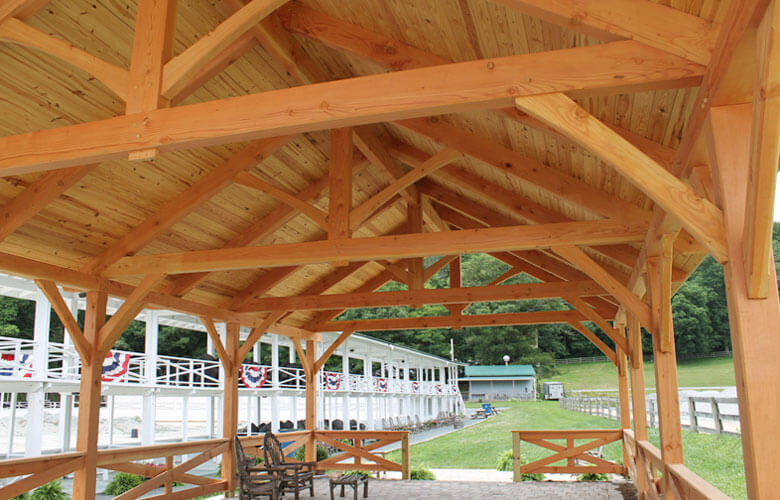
x,y
506,359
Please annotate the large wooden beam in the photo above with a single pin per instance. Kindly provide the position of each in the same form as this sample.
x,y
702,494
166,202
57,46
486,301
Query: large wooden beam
x,y
182,67
655,24
464,321
587,333
603,278
37,195
115,78
702,219
623,67
382,247
590,314
134,304
765,149
179,207
455,295
753,322
49,288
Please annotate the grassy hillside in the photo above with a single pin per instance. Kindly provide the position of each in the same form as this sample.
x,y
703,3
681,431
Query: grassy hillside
x,y
718,459
714,372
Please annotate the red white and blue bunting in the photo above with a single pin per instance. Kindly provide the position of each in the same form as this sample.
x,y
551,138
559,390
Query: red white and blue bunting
x,y
115,366
332,381
454,388
438,388
24,366
415,387
253,376
381,385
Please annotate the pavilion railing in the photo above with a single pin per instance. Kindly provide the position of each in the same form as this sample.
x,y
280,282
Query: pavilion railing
x,y
569,448
645,459
164,465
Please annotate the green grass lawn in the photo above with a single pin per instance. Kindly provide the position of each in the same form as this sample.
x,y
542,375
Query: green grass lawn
x,y
713,372
718,459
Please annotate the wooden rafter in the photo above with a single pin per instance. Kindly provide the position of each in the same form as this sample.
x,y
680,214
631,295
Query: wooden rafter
x,y
382,247
49,288
593,269
255,335
19,8
259,287
183,204
310,211
225,357
115,78
331,349
37,195
179,69
465,321
591,315
340,205
655,24
702,219
414,93
455,295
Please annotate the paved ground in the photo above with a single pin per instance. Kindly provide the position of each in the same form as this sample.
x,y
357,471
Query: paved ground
x,y
446,490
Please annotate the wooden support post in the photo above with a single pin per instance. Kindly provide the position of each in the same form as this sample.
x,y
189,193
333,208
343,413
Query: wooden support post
x,y
230,409
517,458
638,401
311,400
340,183
89,398
665,375
753,322
415,220
625,407
406,469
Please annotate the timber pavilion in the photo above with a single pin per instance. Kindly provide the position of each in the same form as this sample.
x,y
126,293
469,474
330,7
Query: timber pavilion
x,y
271,163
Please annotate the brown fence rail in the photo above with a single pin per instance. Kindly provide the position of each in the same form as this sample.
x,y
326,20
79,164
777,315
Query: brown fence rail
x,y
567,446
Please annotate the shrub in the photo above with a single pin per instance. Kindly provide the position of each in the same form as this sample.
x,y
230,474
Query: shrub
x,y
23,496
593,476
123,482
422,474
506,460
51,491
300,453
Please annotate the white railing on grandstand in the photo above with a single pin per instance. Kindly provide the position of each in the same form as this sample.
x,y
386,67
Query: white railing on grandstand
x,y
124,367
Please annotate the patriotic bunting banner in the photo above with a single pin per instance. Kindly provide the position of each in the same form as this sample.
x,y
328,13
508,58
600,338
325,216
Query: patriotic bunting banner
x,y
381,385
8,371
333,381
115,366
438,388
254,376
415,387
454,388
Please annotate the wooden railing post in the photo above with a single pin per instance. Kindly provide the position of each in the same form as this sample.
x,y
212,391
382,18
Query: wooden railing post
x,y
169,466
84,479
693,420
517,459
406,469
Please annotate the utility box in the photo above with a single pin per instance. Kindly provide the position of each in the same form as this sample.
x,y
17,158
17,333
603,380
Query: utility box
x,y
553,390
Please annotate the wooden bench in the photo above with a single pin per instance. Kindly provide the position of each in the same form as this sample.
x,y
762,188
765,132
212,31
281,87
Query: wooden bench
x,y
353,480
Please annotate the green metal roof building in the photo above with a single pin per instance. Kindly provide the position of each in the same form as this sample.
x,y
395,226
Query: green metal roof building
x,y
501,382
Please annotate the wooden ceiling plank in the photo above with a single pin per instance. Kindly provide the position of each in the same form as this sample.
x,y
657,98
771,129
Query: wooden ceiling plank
x,y
702,219
19,8
382,247
554,182
49,288
455,295
657,25
764,153
435,162
182,67
609,353
432,217
134,304
183,204
115,78
38,195
252,181
465,321
351,101
340,201
592,268
396,55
